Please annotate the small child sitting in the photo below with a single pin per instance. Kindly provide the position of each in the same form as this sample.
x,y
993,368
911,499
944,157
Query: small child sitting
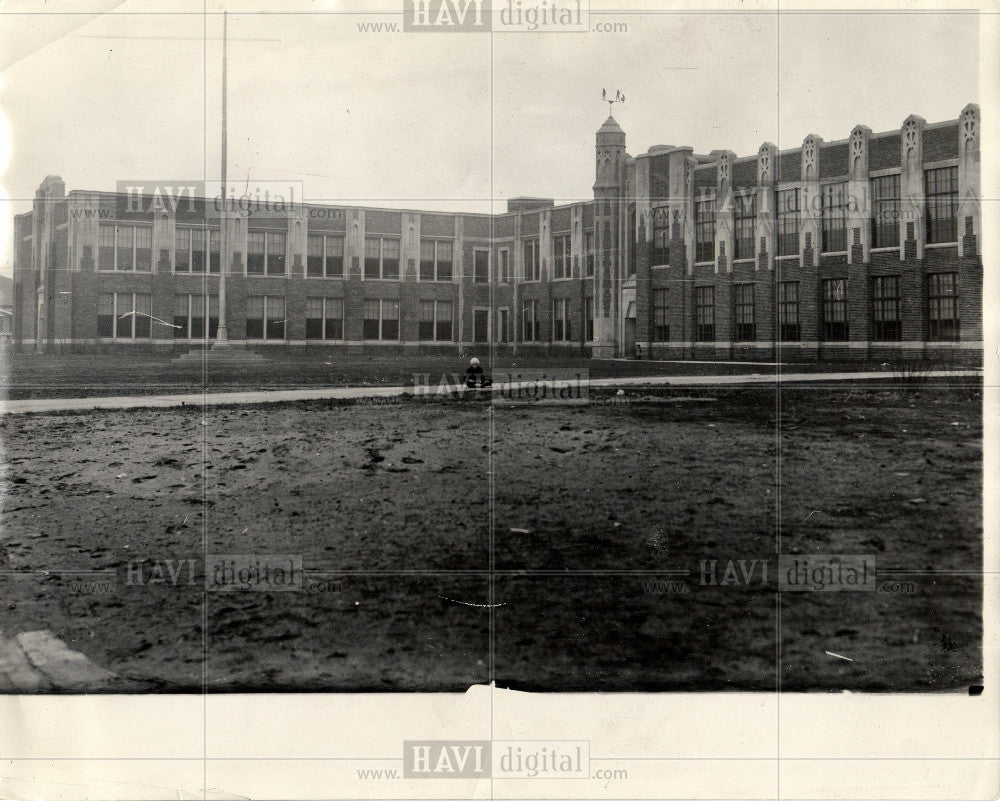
x,y
475,378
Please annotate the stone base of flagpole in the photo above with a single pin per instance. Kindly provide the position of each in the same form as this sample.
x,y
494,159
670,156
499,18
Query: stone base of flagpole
x,y
222,351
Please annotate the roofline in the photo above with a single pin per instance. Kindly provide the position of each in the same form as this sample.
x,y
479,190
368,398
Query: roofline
x,y
879,135
105,194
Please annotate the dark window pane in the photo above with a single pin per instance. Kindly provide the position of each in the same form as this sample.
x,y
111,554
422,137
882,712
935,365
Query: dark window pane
x,y
144,249
106,248
124,248
276,263
481,263
255,263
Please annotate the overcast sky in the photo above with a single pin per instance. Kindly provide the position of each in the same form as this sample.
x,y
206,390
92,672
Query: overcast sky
x,y
443,120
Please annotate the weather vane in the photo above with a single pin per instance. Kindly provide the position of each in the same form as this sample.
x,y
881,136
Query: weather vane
x,y
619,98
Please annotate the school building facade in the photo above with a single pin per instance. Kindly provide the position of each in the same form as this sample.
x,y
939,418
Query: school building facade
x,y
867,247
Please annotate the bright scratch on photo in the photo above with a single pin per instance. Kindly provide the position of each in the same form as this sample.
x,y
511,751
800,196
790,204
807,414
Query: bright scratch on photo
x,y
845,658
466,603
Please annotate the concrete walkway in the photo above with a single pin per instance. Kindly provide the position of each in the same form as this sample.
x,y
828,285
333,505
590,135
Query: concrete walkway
x,y
322,393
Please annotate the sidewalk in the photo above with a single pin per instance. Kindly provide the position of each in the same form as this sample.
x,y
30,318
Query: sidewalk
x,y
322,393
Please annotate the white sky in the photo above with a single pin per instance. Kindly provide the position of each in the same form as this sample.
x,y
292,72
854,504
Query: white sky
x,y
443,120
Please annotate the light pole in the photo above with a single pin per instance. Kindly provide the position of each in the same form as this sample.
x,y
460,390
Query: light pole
x,y
222,335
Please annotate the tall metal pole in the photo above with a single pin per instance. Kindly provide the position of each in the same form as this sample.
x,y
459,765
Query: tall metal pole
x,y
223,333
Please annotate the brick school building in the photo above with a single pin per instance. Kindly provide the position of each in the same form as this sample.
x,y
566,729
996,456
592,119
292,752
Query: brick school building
x,y
862,248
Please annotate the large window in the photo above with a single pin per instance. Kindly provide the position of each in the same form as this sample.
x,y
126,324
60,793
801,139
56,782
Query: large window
x,y
265,317
835,310
265,253
589,246
531,269
886,323
190,318
588,318
704,313
381,321
125,248
562,263
275,253
255,252
941,191
124,315
529,320
661,316
789,329
834,217
190,252
745,327
325,257
942,306
788,222
435,321
324,318
436,259
885,212
381,258
704,230
480,266
746,221
562,327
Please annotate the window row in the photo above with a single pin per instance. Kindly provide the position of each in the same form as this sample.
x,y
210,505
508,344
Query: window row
x,y
941,311
128,248
940,203
128,315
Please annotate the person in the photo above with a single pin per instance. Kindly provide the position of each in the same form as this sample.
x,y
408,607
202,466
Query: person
x,y
475,378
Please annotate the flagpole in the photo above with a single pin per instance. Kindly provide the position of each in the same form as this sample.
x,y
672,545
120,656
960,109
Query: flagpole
x,y
223,334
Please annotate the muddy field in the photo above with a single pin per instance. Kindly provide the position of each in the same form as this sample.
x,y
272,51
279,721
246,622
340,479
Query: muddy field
x,y
580,539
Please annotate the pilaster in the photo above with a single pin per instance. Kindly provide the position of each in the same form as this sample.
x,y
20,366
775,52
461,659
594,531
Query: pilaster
x,y
765,241
911,187
812,202
969,181
859,211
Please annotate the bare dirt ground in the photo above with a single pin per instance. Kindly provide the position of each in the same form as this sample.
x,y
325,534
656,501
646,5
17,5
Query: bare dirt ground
x,y
580,537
